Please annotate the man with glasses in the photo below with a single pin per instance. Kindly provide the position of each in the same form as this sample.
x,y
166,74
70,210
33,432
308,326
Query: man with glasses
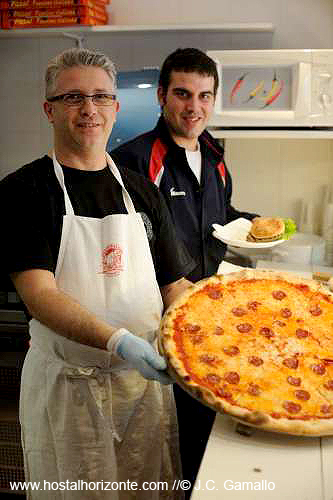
x,y
93,254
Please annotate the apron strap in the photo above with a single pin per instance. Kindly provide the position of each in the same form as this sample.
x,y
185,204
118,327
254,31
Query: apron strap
x,y
60,176
114,170
126,197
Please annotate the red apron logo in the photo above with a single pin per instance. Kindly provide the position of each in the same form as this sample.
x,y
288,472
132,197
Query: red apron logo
x,y
112,259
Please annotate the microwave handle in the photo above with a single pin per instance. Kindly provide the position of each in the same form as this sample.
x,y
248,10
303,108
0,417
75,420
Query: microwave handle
x,y
302,90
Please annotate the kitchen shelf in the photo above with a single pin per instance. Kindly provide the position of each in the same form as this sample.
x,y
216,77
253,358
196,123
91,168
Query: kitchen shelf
x,y
109,28
271,134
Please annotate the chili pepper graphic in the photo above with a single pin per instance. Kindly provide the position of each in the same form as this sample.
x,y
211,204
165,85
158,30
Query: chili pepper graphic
x,y
275,86
274,96
256,90
236,87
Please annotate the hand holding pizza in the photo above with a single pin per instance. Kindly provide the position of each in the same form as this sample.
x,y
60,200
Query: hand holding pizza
x,y
139,355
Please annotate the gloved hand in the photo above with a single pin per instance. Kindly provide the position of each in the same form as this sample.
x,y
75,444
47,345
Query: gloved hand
x,y
140,355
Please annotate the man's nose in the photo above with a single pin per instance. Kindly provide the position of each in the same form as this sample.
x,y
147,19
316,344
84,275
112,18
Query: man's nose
x,y
193,103
88,106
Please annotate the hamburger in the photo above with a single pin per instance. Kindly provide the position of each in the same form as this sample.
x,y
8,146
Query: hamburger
x,y
265,229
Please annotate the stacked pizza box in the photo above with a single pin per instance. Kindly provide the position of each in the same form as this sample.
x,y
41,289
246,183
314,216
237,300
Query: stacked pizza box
x,y
49,13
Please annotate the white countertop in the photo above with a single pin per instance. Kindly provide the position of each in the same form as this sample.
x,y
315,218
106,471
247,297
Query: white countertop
x,y
301,269
276,466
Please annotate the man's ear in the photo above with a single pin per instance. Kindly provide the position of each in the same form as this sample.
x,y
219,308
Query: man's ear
x,y
161,96
48,109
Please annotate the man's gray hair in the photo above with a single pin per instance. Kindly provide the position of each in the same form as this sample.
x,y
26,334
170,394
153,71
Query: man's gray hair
x,y
76,57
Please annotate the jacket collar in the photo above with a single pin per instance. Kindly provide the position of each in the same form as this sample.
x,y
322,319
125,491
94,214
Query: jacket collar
x,y
205,140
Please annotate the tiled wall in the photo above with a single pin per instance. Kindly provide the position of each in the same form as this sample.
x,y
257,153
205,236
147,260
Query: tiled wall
x,y
274,176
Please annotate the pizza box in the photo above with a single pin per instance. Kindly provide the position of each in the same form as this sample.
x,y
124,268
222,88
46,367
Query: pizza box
x,y
238,464
81,11
38,4
9,22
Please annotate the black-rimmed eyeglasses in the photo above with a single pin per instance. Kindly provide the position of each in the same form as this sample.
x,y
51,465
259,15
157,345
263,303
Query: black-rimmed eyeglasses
x,y
99,99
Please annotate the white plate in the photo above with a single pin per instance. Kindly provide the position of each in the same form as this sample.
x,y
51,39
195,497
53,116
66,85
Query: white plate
x,y
235,233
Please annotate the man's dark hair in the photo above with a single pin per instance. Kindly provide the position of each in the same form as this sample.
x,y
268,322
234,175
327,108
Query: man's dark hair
x,y
188,60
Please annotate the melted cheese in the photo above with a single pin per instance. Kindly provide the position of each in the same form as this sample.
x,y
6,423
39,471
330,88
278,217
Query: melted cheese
x,y
203,348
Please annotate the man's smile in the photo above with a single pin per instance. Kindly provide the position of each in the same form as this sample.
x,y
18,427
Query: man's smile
x,y
88,125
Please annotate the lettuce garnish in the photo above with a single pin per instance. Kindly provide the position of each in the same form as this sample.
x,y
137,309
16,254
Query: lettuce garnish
x,y
290,228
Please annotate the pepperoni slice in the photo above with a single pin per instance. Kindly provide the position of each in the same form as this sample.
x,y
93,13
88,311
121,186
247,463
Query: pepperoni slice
x,y
214,293
279,323
326,408
192,328
294,380
222,393
318,369
232,377
207,358
253,306
254,360
290,362
327,361
329,385
219,330
266,332
286,313
238,311
302,334
213,378
197,339
303,395
315,310
231,350
279,294
244,327
254,389
291,407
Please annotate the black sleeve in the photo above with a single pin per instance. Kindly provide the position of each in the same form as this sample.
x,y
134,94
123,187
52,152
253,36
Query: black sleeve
x,y
233,213
24,243
172,259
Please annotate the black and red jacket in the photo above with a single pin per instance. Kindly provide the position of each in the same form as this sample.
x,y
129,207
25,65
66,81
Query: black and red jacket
x,y
194,207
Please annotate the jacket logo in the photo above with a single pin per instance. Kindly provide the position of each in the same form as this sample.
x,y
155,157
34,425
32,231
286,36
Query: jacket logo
x,y
173,192
112,259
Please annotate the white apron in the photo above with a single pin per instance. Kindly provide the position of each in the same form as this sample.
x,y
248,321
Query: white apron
x,y
86,420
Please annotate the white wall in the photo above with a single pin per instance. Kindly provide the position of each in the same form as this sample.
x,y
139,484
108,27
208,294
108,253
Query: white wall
x,y
273,176
299,23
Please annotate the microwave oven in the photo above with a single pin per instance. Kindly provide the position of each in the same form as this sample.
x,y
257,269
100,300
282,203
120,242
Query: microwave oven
x,y
273,88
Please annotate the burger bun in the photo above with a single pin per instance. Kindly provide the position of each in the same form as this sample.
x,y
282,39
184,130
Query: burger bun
x,y
266,229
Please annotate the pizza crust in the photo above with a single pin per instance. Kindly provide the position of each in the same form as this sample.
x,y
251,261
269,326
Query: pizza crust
x,y
168,348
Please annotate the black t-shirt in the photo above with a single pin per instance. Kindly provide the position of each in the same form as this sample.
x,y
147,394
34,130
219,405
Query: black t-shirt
x,y
32,208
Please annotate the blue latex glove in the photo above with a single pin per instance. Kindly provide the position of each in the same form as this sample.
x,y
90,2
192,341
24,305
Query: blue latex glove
x,y
141,356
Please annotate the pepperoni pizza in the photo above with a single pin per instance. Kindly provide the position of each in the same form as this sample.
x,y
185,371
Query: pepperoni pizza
x,y
257,345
